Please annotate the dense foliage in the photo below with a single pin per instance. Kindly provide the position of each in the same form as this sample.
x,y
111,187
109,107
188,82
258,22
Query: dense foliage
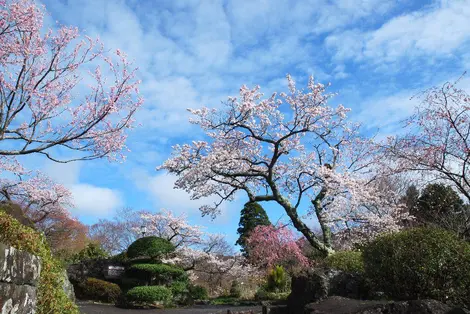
x,y
149,294
198,292
91,251
98,290
252,215
419,263
347,261
51,296
277,280
160,273
152,247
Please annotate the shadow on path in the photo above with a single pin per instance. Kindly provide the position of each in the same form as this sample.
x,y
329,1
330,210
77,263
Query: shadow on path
x,y
90,308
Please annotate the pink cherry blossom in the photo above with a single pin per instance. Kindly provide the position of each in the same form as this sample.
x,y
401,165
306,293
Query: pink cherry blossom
x,y
43,100
38,195
275,245
287,148
437,140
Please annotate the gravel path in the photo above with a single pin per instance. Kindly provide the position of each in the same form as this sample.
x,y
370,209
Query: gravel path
x,y
90,308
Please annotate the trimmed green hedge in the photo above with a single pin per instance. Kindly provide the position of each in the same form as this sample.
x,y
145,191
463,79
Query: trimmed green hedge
x,y
99,290
160,272
149,294
51,297
420,263
347,261
152,247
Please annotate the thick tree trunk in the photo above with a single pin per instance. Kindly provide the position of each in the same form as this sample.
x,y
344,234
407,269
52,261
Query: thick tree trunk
x,y
326,231
323,247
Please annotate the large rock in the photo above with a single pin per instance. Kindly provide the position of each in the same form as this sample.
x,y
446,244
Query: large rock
x,y
18,267
68,287
349,285
19,273
414,307
17,299
309,286
340,305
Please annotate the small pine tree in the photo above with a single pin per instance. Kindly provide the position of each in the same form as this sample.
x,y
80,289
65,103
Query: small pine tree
x,y
252,215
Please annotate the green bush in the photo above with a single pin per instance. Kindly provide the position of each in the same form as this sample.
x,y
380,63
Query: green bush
x,y
51,297
149,294
277,280
121,257
98,290
180,292
263,295
198,292
235,290
90,252
152,247
161,273
419,263
347,261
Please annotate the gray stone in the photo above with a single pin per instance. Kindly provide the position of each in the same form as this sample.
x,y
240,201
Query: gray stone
x,y
341,305
19,274
18,299
413,307
68,287
18,267
310,286
349,285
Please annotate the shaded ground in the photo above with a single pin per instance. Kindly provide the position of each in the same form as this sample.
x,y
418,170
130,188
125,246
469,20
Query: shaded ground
x,y
340,305
90,308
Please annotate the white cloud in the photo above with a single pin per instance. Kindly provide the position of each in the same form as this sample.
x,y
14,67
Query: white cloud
x,y
436,31
88,199
95,201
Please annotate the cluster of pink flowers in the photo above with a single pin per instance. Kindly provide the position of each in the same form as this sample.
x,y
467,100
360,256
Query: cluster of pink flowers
x,y
275,245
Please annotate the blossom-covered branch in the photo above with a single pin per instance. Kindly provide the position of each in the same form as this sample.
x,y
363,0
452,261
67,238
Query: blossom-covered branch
x,y
285,149
438,140
44,102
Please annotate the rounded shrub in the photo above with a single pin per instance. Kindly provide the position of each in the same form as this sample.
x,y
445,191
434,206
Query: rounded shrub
x,y
149,294
162,273
99,290
347,261
198,292
51,297
419,263
153,247
277,280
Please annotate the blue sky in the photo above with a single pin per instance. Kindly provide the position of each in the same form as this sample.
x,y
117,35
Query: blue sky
x,y
376,54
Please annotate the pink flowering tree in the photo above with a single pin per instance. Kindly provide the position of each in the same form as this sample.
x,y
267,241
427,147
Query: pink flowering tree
x,y
293,149
437,142
174,228
276,245
44,101
38,196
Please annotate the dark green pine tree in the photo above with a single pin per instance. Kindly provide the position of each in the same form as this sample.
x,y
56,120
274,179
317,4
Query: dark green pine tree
x,y
252,215
436,202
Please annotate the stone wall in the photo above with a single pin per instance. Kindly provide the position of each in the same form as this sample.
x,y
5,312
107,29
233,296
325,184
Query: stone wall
x,y
19,274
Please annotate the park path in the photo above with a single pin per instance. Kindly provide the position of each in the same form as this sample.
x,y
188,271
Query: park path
x,y
90,308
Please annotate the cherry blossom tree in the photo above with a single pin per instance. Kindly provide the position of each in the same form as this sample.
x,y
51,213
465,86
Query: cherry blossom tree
x,y
292,149
276,245
437,139
202,254
44,100
176,229
38,196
